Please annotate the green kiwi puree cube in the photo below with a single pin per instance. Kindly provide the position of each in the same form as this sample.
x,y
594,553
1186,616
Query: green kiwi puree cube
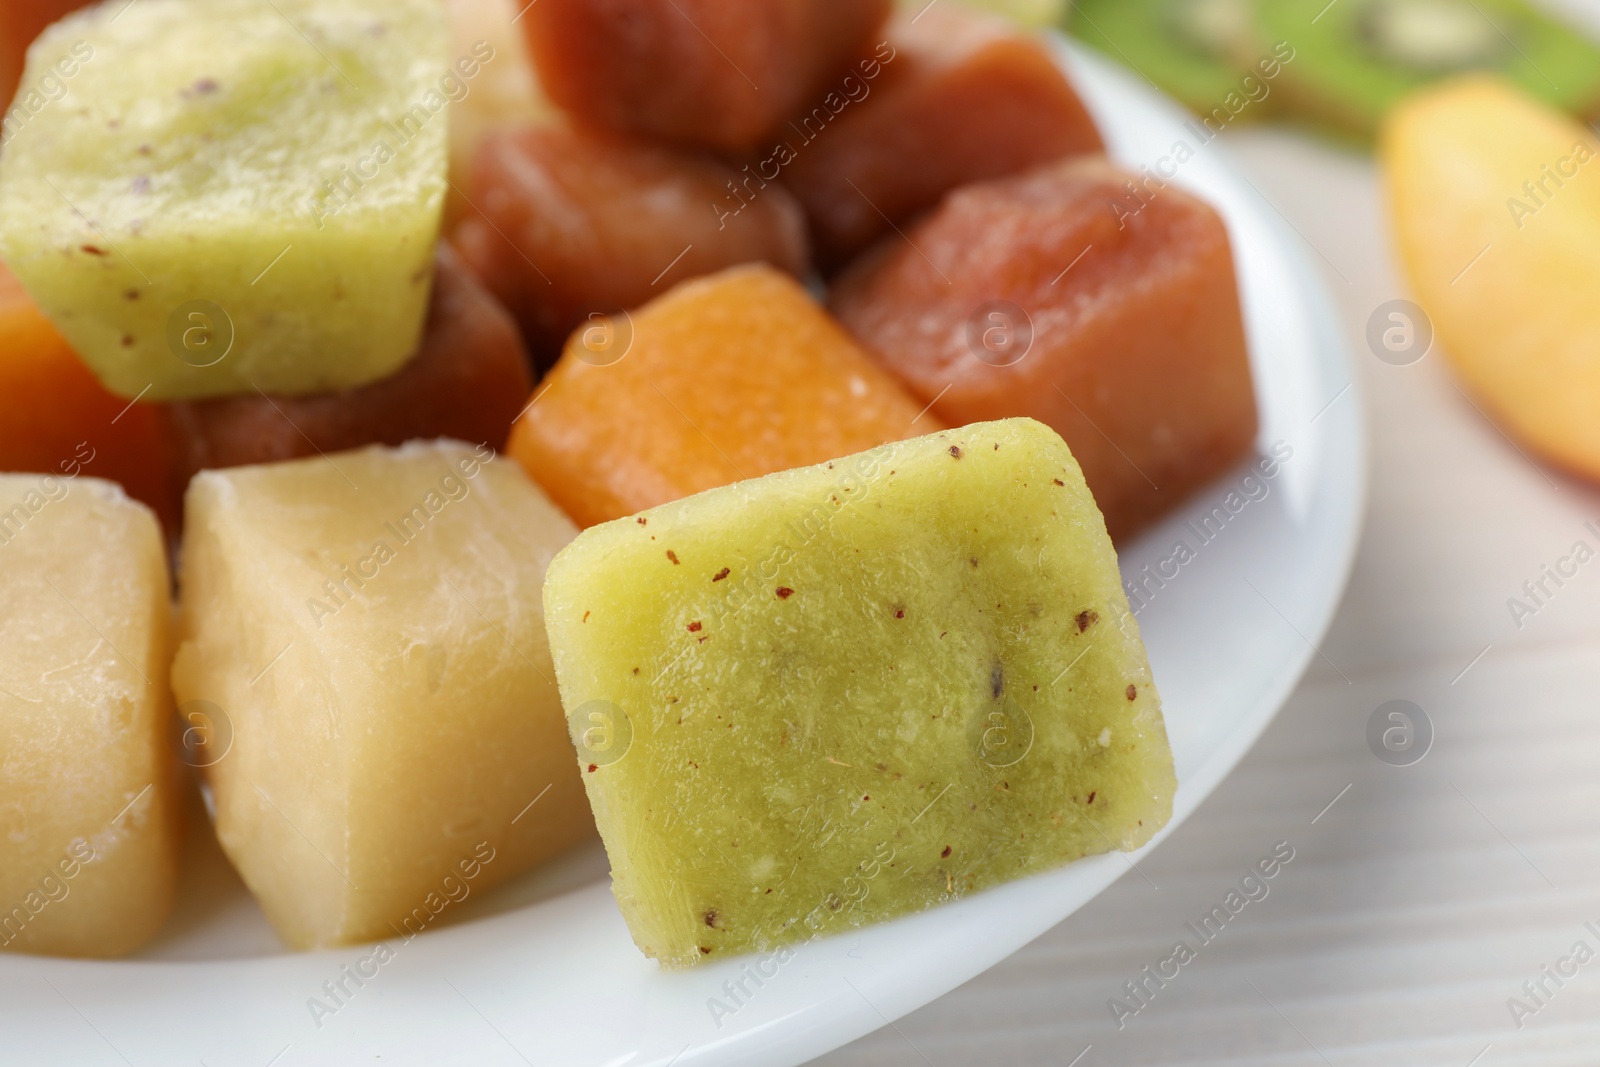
x,y
231,195
838,694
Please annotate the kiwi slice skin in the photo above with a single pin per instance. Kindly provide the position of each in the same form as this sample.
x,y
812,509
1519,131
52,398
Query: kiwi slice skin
x,y
1199,51
1356,58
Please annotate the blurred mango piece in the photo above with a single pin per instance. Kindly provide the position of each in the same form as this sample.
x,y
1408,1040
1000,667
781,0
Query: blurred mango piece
x,y
1495,199
719,74
957,96
725,378
570,222
56,417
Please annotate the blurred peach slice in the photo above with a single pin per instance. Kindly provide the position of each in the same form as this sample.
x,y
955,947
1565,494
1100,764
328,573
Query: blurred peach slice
x,y
1496,205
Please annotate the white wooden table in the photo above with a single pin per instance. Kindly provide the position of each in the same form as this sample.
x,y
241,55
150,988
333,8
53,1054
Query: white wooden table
x,y
1420,902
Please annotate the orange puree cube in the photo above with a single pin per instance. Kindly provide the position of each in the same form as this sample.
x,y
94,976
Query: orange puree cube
x,y
960,97
467,381
719,74
56,417
722,379
568,223
1056,295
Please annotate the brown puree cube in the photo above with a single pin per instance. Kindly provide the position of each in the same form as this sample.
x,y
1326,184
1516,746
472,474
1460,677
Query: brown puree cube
x,y
1056,295
467,381
963,97
570,223
719,74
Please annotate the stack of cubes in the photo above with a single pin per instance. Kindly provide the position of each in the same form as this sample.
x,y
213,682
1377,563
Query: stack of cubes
x,y
829,325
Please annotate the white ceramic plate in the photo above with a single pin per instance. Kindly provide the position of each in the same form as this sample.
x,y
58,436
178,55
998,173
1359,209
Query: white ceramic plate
x,y
543,971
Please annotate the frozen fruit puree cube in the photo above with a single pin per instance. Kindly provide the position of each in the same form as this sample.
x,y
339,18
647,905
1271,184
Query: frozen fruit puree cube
x,y
960,96
855,690
56,417
727,377
1061,295
467,381
567,223
89,809
370,625
717,74
237,194
498,85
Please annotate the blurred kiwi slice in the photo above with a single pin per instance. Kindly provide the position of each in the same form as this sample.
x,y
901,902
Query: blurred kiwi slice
x,y
1199,51
1030,14
1354,59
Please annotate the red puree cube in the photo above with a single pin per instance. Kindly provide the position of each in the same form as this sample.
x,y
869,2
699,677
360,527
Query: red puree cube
x,y
569,223
1061,295
467,381
962,97
720,74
